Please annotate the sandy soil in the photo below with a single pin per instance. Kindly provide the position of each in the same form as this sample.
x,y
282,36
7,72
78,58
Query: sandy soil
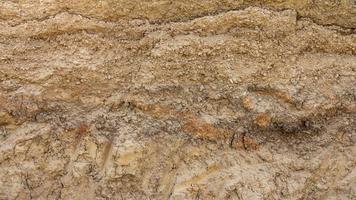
x,y
118,99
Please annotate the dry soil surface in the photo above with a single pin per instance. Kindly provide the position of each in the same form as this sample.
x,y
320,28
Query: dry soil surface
x,y
185,99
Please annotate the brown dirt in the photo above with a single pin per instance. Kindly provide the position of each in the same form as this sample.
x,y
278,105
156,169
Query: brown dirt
x,y
109,99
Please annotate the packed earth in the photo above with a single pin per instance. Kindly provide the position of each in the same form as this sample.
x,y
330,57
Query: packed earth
x,y
178,99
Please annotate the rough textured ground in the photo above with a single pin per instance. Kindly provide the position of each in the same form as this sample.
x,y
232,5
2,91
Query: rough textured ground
x,y
158,99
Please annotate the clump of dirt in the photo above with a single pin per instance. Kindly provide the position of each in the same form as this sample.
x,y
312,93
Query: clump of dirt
x,y
177,99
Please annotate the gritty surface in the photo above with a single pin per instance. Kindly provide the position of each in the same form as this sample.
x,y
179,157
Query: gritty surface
x,y
118,99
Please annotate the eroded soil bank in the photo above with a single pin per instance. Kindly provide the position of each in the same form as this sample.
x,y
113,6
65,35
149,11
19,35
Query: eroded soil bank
x,y
118,99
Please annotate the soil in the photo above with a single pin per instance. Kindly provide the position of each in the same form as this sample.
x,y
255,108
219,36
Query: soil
x,y
159,99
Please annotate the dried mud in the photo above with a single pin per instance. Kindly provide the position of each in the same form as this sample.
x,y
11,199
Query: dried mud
x,y
117,99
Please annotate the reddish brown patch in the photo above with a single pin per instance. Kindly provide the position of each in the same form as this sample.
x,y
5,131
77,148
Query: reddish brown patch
x,y
191,123
250,144
244,142
263,120
82,130
204,130
80,133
